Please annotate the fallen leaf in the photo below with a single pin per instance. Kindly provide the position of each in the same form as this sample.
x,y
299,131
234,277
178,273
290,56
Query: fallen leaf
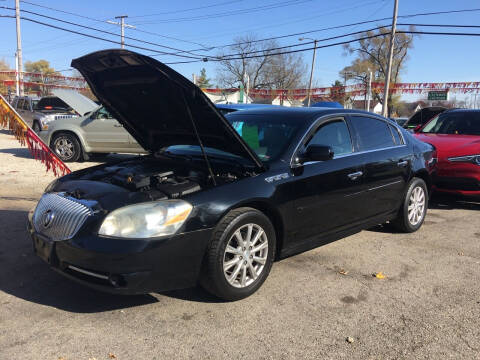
x,y
112,355
350,339
461,253
379,275
343,272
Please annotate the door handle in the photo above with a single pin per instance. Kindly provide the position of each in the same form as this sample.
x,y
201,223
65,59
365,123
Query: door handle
x,y
355,175
402,163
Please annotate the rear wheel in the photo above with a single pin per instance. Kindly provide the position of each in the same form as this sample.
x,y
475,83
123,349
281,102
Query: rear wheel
x,y
36,127
414,207
67,147
240,254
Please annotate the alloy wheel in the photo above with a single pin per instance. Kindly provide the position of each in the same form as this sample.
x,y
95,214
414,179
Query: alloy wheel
x,y
245,255
64,148
416,206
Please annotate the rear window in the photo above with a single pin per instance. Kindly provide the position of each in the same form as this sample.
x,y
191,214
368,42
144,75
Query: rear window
x,y
372,134
52,103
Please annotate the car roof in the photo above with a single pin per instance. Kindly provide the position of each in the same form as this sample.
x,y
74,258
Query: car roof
x,y
306,113
243,106
463,110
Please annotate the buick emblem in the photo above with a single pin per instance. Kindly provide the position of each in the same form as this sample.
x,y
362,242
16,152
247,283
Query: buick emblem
x,y
47,218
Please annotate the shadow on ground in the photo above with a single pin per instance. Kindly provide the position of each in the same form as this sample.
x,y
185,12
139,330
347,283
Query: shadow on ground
x,y
26,276
450,202
18,152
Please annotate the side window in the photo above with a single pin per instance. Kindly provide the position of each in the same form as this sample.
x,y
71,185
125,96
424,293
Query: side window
x,y
396,135
372,133
26,105
20,104
334,134
102,113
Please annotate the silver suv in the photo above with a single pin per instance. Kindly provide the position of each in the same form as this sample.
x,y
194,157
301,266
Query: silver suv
x,y
38,112
76,139
25,107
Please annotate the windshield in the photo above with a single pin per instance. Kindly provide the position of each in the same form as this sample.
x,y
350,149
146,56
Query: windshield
x,y
460,123
52,103
268,137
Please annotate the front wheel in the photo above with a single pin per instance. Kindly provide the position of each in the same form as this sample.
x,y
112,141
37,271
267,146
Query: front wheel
x,y
36,127
414,208
67,147
240,255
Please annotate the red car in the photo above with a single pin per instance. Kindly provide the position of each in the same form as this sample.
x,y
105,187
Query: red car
x,y
456,136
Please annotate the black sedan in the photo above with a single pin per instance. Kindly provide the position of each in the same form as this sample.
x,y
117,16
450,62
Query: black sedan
x,y
218,199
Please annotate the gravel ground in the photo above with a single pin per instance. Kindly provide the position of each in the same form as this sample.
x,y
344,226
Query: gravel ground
x,y
428,305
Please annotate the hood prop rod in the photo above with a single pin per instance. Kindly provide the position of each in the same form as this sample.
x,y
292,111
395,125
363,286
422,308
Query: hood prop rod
x,y
205,156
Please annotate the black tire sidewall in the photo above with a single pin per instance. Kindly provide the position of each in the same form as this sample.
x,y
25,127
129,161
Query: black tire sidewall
x,y
222,287
77,150
36,127
416,182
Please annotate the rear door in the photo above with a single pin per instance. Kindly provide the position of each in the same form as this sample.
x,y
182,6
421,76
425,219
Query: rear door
x,y
103,133
328,194
387,163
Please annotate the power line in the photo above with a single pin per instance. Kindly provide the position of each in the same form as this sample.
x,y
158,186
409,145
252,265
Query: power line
x,y
186,10
343,26
229,13
103,21
96,37
336,44
110,33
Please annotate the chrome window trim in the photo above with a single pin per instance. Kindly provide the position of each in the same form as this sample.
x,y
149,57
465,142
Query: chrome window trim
x,y
343,116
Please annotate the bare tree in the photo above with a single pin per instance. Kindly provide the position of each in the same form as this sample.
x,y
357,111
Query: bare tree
x,y
373,53
270,71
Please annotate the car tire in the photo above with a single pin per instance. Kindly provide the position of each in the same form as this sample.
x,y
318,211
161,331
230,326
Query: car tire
x,y
36,127
414,207
67,147
237,272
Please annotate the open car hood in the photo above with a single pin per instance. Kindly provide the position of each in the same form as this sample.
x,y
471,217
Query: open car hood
x,y
156,104
78,102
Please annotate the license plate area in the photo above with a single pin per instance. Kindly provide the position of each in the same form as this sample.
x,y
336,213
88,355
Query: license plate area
x,y
45,249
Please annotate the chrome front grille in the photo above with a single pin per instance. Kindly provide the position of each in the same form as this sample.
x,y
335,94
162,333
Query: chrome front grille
x,y
59,217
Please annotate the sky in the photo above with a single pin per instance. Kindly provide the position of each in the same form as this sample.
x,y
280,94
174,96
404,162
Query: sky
x,y
186,24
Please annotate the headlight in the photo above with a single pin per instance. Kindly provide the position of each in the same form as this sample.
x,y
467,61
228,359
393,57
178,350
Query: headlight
x,y
147,220
474,159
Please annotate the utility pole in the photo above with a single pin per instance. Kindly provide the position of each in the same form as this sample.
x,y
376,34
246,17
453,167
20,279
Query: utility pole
x,y
369,90
122,27
390,60
315,41
18,63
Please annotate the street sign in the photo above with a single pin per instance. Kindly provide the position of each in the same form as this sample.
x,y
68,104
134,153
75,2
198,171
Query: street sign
x,y
438,95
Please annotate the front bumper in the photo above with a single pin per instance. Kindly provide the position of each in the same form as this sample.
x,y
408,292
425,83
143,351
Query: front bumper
x,y
126,266
457,178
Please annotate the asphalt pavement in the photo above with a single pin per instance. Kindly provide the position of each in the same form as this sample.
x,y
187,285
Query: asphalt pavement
x,y
426,307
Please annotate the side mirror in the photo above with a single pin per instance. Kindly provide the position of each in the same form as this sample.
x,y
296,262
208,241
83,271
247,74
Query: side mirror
x,y
317,153
417,128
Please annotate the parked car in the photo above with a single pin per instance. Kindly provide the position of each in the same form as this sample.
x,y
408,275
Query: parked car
x,y
78,138
456,136
25,105
228,108
422,116
216,205
65,104
400,120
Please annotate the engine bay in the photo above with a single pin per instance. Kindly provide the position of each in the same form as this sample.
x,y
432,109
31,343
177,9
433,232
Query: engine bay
x,y
164,178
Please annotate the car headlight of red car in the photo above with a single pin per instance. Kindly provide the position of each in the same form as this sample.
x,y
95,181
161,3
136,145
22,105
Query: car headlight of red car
x,y
474,159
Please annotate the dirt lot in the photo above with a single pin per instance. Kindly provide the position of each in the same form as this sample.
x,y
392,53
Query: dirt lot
x,y
428,306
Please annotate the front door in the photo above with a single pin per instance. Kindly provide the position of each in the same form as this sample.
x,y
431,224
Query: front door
x,y
103,133
329,194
